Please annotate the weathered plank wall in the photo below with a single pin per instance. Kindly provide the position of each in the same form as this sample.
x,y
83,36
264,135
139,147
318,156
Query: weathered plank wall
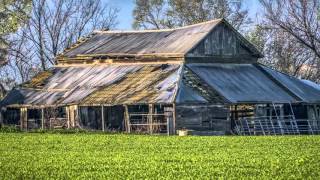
x,y
222,45
11,116
203,117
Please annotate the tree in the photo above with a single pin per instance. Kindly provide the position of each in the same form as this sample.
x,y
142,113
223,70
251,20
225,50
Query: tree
x,y
56,24
157,14
12,15
53,26
283,52
295,44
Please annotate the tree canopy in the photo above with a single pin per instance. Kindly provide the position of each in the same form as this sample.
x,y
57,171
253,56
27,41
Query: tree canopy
x,y
157,14
12,14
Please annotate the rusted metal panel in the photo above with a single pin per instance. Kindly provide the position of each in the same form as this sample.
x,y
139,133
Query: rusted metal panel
x,y
113,84
151,84
29,97
167,41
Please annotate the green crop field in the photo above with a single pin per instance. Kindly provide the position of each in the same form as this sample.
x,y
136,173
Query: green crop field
x,y
106,156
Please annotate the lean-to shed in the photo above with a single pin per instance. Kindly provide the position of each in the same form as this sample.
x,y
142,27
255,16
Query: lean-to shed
x,y
203,77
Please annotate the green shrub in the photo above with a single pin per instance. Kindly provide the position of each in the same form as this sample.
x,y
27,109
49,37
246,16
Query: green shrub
x,y
9,129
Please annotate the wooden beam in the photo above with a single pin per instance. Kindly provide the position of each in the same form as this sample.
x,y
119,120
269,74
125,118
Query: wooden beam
x,y
78,116
174,118
222,59
68,116
42,118
127,119
1,118
23,118
102,118
150,118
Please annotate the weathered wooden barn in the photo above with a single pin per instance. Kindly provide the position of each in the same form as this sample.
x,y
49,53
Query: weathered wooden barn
x,y
204,77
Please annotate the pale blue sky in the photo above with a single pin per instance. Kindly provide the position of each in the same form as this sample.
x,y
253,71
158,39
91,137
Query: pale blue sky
x,y
126,7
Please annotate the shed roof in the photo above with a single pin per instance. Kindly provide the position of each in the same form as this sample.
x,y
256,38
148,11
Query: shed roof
x,y
188,95
304,91
241,83
110,84
161,83
311,83
29,97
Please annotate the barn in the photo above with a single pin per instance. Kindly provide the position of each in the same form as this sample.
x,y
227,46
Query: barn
x,y
204,78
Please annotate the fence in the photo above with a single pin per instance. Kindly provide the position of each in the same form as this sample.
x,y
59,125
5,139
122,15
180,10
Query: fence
x,y
276,126
151,123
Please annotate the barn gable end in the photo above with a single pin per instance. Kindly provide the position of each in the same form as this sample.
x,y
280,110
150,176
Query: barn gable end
x,y
223,45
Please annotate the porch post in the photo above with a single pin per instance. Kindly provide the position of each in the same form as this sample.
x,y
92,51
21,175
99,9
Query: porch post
x,y
174,118
23,118
1,117
68,116
102,117
77,118
150,118
127,119
42,118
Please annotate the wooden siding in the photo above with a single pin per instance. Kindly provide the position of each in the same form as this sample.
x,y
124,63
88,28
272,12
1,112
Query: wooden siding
x,y
223,44
205,118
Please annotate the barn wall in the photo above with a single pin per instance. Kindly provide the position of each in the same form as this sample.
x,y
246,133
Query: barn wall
x,y
222,45
203,118
11,116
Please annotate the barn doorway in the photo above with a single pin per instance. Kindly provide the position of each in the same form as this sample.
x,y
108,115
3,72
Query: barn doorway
x,y
114,118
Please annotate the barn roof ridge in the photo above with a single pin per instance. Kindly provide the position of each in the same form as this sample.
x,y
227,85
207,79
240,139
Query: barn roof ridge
x,y
159,30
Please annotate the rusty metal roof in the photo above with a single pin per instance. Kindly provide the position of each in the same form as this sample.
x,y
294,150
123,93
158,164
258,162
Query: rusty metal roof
x,y
31,97
161,83
151,84
166,41
112,84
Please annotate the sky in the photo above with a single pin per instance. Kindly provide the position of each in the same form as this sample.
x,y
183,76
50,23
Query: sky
x,y
126,7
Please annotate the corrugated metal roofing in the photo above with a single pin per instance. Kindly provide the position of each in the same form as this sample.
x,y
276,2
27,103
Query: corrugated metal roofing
x,y
241,83
69,85
158,83
304,91
169,41
188,95
310,83
151,84
31,97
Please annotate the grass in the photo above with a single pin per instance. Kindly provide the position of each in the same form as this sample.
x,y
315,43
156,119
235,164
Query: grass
x,y
110,156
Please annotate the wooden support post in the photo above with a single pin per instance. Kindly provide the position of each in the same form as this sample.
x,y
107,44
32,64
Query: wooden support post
x,y
23,118
150,118
1,118
174,114
102,117
42,118
68,116
78,119
127,119
73,115
168,124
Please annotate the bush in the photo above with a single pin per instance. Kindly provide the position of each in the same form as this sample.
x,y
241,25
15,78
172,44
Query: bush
x,y
9,129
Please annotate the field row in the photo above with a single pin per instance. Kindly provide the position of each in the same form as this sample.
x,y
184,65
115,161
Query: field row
x,y
83,156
